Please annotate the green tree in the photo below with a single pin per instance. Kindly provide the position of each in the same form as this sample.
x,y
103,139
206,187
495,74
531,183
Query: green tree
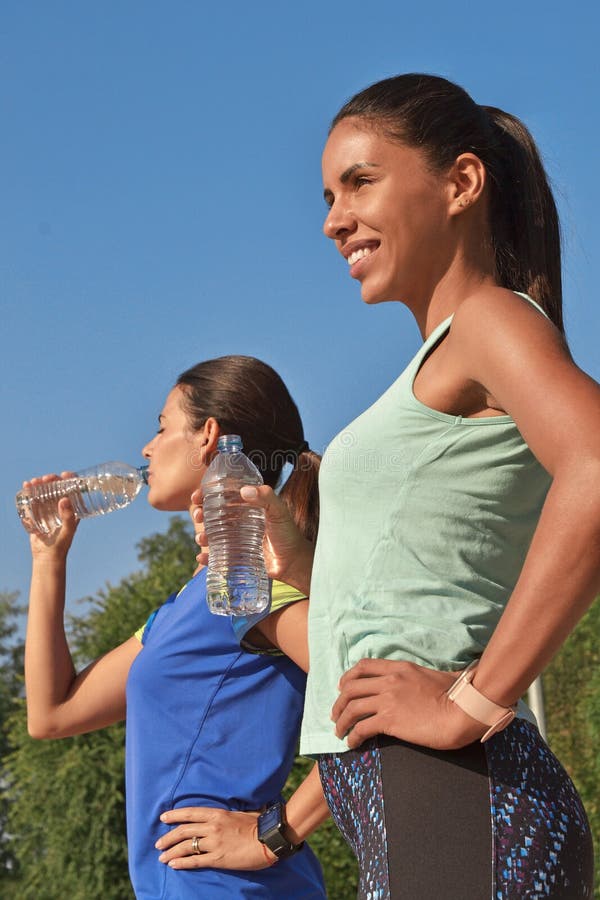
x,y
11,665
339,864
572,699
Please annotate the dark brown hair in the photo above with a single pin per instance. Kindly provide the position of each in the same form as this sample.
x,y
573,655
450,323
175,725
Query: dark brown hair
x,y
247,397
441,119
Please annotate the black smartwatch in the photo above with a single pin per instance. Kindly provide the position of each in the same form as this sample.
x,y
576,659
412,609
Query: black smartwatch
x,y
271,831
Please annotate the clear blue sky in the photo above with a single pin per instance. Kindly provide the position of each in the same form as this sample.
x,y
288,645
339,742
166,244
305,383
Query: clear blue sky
x,y
162,204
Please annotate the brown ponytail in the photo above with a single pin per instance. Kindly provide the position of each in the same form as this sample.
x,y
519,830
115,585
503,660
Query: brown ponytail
x,y
524,220
442,120
301,493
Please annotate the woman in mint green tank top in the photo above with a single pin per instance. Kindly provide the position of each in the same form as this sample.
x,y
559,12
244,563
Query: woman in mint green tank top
x,y
460,514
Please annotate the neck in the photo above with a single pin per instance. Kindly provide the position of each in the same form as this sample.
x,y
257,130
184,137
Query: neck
x,y
467,265
445,299
466,269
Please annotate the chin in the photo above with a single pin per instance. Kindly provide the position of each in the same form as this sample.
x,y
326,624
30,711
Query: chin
x,y
372,295
166,506
373,299
158,503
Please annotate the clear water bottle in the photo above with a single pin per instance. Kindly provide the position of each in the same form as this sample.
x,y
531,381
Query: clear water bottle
x,y
92,492
236,581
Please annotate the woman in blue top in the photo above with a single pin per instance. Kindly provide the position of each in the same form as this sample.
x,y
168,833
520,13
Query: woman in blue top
x,y
471,539
208,722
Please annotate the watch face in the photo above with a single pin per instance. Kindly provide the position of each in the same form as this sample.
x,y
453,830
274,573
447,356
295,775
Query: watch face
x,y
270,820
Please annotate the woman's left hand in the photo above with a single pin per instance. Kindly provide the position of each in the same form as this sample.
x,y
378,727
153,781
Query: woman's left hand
x,y
212,838
402,700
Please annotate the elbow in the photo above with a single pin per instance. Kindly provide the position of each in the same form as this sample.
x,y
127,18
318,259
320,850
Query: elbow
x,y
38,734
41,729
38,731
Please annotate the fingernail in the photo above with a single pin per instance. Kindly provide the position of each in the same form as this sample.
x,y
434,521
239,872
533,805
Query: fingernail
x,y
158,845
248,492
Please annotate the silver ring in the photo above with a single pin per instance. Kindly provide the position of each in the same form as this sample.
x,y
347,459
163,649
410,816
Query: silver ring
x,y
195,847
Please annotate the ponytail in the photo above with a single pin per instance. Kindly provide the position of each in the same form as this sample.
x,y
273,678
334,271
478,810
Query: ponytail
x,y
523,217
301,493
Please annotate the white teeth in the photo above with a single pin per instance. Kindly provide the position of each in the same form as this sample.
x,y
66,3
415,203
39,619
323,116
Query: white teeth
x,y
358,254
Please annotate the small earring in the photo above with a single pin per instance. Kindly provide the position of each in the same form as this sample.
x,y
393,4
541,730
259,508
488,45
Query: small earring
x,y
463,202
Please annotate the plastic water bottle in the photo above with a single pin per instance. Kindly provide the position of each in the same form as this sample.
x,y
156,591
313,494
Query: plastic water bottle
x,y
236,581
92,492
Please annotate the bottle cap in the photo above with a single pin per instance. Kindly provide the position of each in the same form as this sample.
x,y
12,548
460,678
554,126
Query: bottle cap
x,y
228,442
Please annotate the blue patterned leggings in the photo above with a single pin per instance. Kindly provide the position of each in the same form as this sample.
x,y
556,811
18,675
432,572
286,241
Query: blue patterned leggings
x,y
492,821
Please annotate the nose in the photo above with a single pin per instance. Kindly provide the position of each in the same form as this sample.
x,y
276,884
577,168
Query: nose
x,y
340,221
147,449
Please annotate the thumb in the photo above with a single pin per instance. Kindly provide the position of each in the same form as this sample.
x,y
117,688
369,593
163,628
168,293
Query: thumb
x,y
66,512
262,496
265,498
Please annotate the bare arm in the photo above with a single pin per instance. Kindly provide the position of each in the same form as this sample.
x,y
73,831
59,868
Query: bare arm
x,y
61,702
557,410
286,629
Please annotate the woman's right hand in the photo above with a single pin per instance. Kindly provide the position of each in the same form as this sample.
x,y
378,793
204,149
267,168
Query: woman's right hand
x,y
53,546
288,555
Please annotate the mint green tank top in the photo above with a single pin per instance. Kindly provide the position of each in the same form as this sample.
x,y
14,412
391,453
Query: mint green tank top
x,y
425,522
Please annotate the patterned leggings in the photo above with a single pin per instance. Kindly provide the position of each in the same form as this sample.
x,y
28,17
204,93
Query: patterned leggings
x,y
492,821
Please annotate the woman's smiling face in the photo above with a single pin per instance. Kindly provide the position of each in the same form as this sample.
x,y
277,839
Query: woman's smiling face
x,y
388,212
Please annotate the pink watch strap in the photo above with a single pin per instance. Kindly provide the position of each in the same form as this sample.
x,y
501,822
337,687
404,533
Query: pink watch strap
x,y
471,701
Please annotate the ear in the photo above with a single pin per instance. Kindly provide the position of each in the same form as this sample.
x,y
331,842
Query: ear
x,y
209,438
467,179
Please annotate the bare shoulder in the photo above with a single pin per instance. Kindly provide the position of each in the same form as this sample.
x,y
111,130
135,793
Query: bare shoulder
x,y
512,350
496,323
495,312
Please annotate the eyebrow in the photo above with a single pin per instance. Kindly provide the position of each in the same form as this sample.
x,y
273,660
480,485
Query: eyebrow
x,y
349,172
352,169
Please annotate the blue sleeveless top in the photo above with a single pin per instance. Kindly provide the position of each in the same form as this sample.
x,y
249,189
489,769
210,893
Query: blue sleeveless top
x,y
208,724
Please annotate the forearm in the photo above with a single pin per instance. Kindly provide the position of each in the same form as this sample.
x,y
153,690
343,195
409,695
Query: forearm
x,y
560,579
307,808
49,670
61,702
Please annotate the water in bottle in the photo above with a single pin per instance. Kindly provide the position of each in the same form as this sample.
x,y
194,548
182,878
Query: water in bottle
x,y
236,581
92,492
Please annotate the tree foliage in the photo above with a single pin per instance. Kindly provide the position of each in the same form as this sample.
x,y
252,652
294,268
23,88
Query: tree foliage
x,y
339,863
572,695
11,667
